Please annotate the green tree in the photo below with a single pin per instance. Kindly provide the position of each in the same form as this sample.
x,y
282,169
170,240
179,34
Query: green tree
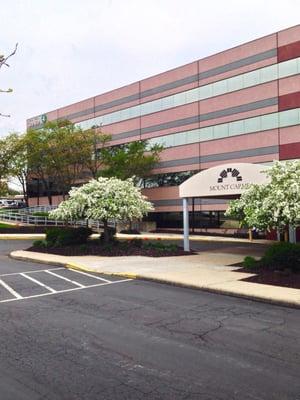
x,y
5,157
60,155
104,199
131,160
18,160
275,205
95,142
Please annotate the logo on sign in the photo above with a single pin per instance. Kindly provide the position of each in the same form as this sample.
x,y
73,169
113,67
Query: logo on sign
x,y
230,172
37,121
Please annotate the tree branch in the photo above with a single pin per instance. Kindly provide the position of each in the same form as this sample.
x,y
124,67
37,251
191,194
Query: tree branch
x,y
3,59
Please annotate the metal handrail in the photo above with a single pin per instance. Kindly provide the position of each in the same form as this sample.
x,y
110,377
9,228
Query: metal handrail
x,y
23,216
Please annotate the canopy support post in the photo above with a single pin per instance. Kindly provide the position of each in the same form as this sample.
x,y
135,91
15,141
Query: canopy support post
x,y
186,229
292,234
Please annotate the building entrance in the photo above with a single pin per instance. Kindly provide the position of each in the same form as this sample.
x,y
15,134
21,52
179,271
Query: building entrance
x,y
226,181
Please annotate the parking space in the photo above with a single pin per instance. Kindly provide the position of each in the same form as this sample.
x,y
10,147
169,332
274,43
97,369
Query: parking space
x,y
38,283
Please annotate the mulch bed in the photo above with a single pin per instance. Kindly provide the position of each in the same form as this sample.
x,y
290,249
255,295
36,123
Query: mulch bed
x,y
94,249
275,278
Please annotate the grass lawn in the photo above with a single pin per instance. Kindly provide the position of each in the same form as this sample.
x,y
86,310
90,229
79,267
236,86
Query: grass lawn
x,y
4,225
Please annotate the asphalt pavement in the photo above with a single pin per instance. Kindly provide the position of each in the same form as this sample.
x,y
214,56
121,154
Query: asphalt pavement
x,y
69,336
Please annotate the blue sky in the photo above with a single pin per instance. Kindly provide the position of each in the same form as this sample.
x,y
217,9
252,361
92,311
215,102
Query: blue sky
x,y
71,50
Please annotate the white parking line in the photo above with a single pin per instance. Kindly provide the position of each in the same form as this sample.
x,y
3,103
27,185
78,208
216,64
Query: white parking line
x,y
63,291
64,278
32,272
92,276
11,290
38,283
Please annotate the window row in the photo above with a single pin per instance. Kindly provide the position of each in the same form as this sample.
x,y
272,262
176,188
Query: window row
x,y
168,179
256,77
240,127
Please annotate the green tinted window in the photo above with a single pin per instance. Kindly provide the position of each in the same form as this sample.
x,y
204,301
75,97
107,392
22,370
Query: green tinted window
x,y
220,131
252,125
288,118
179,139
252,78
193,136
220,87
236,128
269,73
235,83
192,95
269,121
205,92
288,68
206,133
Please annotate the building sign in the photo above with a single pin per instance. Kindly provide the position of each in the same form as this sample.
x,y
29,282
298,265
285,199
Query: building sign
x,y
225,176
36,121
224,180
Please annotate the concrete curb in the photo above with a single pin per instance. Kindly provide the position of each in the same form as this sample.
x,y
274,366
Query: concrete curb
x,y
72,265
223,292
34,260
22,236
193,238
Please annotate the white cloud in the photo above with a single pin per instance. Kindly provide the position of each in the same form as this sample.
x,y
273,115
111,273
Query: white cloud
x,y
70,50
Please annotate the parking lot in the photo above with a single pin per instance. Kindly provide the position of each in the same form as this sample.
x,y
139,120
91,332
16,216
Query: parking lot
x,y
45,282
82,336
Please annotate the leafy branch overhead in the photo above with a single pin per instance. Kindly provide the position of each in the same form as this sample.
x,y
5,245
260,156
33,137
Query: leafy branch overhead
x,y
4,62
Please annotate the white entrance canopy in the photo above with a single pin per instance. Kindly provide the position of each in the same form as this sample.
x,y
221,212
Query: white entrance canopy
x,y
223,181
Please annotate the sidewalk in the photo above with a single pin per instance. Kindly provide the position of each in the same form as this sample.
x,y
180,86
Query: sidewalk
x,y
208,270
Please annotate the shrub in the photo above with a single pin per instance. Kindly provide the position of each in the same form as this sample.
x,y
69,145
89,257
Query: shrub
x,y
39,243
40,214
160,246
83,247
250,263
67,236
137,242
51,235
282,255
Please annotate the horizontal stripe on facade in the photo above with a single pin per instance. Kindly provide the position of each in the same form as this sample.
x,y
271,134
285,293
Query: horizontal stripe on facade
x,y
211,72
175,84
289,101
219,157
198,118
178,202
289,151
227,85
289,51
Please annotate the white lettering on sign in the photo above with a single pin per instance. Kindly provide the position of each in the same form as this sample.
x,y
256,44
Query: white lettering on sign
x,y
229,186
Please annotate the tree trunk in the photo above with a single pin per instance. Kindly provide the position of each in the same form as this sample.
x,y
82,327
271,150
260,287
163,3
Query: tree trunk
x,y
105,231
49,195
25,195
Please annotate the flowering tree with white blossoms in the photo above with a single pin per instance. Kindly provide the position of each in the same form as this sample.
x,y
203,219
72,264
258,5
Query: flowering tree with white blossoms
x,y
103,199
275,205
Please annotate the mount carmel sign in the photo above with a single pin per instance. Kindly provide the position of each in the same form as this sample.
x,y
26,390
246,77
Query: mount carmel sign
x,y
224,180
